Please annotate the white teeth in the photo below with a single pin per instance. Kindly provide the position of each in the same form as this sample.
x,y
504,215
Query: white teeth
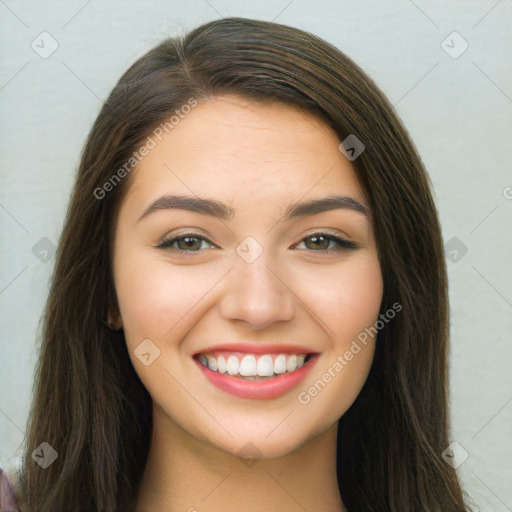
x,y
212,363
221,365
233,365
280,364
253,366
291,364
265,366
248,366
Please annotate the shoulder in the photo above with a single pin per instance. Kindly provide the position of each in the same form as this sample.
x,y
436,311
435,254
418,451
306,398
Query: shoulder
x,y
8,502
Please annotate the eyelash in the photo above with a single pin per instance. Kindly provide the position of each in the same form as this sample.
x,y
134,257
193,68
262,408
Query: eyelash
x,y
343,244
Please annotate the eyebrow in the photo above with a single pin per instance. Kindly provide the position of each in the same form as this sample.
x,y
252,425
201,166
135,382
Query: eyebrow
x,y
220,210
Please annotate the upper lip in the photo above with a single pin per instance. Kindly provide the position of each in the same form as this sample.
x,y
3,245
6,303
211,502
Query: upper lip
x,y
256,348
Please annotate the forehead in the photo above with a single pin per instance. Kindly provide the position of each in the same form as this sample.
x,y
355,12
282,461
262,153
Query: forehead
x,y
246,154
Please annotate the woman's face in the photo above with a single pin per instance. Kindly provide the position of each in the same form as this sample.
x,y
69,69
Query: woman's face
x,y
221,258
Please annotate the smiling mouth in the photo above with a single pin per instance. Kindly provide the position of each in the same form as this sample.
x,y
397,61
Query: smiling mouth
x,y
253,366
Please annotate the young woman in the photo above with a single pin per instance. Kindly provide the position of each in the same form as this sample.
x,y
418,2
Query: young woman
x,y
249,306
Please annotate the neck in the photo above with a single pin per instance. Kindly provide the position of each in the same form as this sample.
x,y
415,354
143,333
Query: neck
x,y
184,473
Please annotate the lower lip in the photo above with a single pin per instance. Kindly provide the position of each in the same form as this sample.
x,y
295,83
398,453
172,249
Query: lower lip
x,y
265,389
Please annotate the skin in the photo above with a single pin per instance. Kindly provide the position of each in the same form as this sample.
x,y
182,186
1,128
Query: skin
x,y
256,158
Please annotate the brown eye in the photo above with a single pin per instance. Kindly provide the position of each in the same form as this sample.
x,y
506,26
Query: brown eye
x,y
318,242
184,243
188,243
323,242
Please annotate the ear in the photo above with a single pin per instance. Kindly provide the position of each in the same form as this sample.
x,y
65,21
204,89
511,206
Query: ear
x,y
114,320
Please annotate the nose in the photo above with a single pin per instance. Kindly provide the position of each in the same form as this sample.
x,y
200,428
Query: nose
x,y
257,294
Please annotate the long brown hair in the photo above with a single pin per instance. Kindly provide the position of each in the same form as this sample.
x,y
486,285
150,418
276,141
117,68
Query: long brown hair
x,y
89,403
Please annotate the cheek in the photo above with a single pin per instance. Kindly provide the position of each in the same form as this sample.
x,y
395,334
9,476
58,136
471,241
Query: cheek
x,y
154,297
348,310
350,306
345,298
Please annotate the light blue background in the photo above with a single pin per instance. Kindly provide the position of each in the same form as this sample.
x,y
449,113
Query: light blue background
x,y
458,111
